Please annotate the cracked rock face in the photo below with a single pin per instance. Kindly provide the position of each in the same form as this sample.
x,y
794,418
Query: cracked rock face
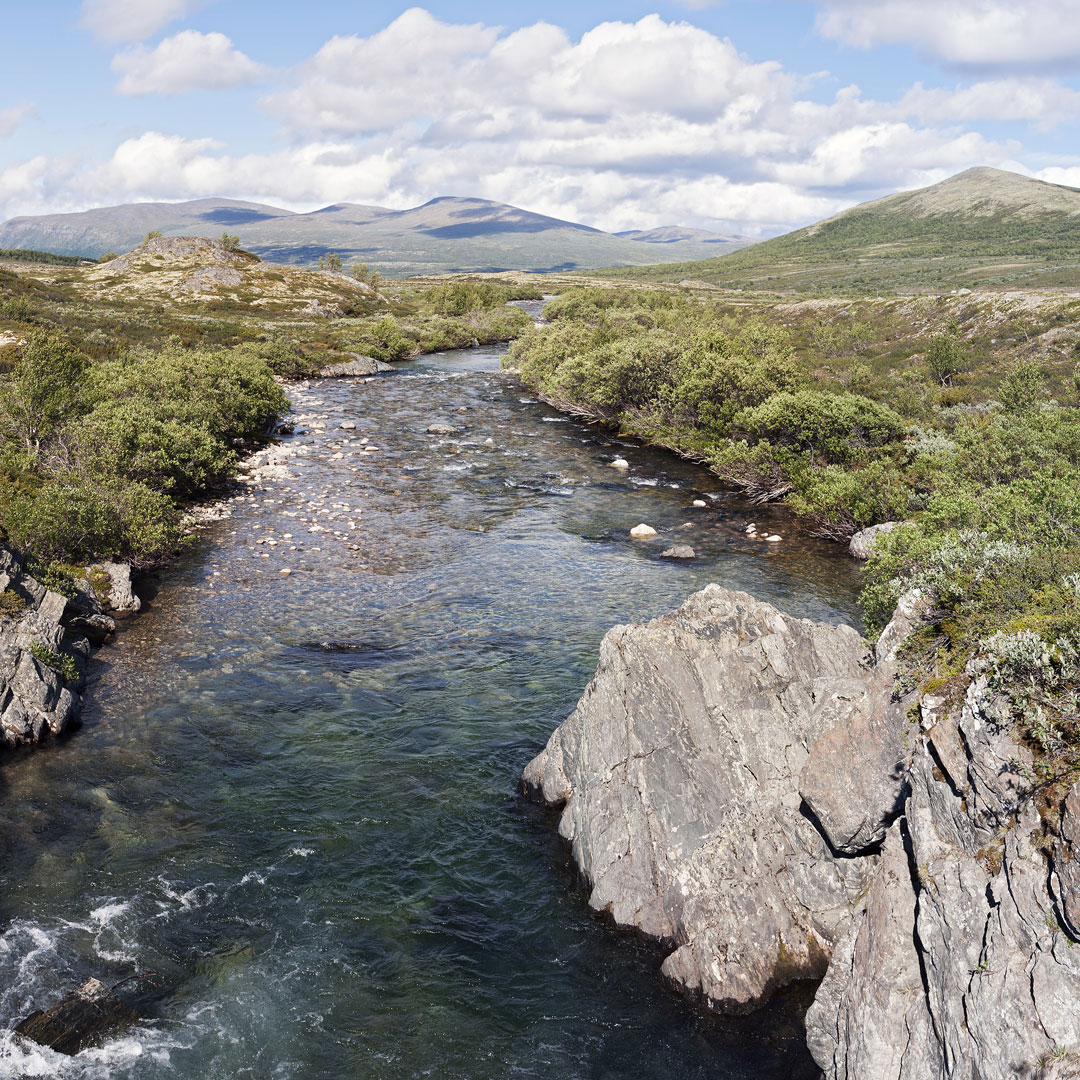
x,y
964,961
679,771
35,700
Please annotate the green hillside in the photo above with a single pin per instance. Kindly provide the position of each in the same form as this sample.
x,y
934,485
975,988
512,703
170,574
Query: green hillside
x,y
982,227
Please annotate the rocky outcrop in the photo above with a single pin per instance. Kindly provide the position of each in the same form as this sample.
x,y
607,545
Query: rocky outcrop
x,y
41,664
209,278
679,778
963,962
747,788
855,775
179,249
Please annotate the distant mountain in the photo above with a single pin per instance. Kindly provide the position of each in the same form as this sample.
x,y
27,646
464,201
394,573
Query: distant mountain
x,y
983,226
444,234
673,234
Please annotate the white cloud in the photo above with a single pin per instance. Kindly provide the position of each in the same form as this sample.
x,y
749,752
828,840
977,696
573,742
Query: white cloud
x,y
187,61
1041,102
1013,34
13,116
133,20
633,125
1068,175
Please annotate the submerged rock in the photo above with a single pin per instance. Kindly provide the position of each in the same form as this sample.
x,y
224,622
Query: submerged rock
x,y
679,551
78,1019
678,776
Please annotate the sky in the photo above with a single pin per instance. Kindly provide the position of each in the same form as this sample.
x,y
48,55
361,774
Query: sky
x,y
745,116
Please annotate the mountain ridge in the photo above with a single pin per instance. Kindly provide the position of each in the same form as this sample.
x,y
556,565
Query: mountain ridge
x,y
444,234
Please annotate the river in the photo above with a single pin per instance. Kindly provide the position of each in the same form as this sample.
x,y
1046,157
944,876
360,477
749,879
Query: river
x,y
295,794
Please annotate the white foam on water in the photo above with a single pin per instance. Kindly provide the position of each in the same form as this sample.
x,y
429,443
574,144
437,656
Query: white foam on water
x,y
107,912
639,481
302,852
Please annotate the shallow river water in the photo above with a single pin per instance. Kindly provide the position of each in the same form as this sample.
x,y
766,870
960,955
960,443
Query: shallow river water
x,y
295,795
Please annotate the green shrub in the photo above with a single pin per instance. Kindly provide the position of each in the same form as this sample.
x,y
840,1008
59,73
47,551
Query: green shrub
x,y
73,517
1023,387
12,605
830,428
43,390
62,663
944,358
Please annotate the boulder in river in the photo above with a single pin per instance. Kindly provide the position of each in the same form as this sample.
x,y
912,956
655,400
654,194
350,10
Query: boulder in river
x,y
78,1019
112,582
356,365
754,791
442,429
678,775
642,531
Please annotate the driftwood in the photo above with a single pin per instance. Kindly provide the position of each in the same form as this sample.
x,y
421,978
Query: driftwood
x,y
79,1019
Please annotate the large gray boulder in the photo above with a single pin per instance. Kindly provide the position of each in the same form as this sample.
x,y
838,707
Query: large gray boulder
x,y
679,778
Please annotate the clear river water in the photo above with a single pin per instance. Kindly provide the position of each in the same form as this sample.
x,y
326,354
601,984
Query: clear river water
x,y
295,796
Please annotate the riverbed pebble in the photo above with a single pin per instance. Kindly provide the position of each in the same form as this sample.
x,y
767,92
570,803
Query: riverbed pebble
x,y
642,531
774,539
700,502
620,463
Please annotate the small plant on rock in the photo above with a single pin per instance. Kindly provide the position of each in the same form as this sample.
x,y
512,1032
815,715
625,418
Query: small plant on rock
x,y
62,663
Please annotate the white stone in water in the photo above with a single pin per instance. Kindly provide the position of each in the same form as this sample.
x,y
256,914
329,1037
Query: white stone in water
x,y
700,502
774,539
751,528
285,572
348,425
489,442
620,463
371,449
642,531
